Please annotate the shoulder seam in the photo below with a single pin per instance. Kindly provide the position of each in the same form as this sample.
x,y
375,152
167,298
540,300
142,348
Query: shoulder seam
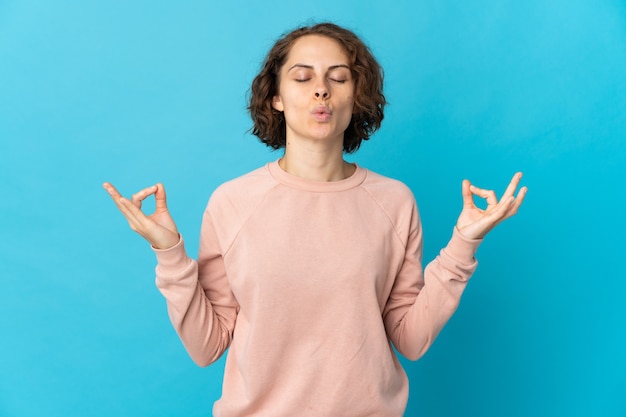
x,y
244,221
395,228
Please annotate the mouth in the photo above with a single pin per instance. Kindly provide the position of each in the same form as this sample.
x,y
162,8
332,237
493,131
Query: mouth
x,y
321,113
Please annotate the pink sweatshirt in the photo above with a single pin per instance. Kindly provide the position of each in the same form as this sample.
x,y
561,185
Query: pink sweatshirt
x,y
308,283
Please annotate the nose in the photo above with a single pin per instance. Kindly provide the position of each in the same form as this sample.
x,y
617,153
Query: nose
x,y
321,90
322,94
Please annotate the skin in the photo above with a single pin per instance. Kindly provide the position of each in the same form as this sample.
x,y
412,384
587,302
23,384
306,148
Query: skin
x,y
158,228
316,75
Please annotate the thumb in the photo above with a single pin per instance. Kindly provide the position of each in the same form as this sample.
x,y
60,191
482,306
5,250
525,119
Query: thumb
x,y
468,199
161,198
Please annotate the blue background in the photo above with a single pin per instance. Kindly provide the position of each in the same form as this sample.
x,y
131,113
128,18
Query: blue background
x,y
135,92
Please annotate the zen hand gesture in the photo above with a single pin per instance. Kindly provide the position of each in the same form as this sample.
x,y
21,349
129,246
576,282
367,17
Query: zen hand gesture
x,y
475,223
157,228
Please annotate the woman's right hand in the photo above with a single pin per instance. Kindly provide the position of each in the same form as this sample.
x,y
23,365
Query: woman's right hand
x,y
157,228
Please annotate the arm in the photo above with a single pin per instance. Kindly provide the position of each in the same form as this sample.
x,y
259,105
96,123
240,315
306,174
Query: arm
x,y
205,329
423,300
200,305
420,304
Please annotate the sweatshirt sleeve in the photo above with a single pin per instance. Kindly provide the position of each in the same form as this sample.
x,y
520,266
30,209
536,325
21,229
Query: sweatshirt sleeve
x,y
200,305
422,301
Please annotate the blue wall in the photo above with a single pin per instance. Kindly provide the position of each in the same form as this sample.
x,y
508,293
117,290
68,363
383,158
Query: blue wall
x,y
135,92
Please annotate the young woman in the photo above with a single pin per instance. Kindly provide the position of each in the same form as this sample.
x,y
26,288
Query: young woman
x,y
310,268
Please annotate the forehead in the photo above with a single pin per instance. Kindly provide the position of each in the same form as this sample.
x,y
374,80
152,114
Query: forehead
x,y
317,50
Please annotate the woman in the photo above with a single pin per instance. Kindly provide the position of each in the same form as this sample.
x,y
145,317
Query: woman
x,y
309,268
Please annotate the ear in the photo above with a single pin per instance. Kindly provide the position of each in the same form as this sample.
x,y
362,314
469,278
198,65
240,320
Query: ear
x,y
277,104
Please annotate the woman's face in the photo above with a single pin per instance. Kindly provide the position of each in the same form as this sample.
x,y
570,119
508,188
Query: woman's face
x,y
316,90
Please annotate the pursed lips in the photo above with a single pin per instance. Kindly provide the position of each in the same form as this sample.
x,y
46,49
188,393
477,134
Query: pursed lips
x,y
321,113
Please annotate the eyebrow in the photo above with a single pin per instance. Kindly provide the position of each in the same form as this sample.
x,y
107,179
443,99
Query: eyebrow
x,y
332,67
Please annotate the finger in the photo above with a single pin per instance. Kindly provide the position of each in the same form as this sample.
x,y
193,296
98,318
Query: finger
x,y
126,207
137,220
161,198
518,201
510,189
115,195
507,207
488,195
139,196
468,201
501,211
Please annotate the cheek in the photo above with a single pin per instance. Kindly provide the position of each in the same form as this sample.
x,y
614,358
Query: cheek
x,y
348,104
348,98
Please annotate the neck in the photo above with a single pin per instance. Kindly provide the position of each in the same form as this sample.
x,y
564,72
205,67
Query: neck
x,y
315,163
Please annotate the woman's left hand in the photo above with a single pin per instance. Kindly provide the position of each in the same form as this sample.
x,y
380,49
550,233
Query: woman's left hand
x,y
475,223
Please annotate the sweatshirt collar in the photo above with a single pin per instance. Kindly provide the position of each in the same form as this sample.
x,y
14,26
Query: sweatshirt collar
x,y
293,181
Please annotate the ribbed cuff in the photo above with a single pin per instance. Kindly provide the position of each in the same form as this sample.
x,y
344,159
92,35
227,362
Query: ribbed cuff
x,y
462,248
172,260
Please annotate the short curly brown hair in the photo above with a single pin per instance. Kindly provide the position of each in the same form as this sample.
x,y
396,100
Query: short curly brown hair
x,y
369,101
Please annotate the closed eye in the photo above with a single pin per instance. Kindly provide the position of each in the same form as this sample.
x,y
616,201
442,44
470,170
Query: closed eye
x,y
338,80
